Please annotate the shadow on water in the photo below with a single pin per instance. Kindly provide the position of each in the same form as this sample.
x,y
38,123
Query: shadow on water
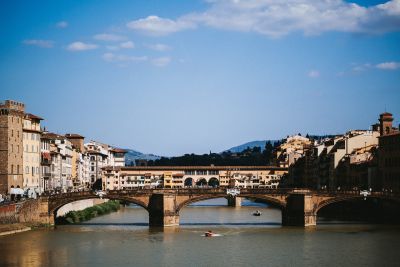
x,y
181,224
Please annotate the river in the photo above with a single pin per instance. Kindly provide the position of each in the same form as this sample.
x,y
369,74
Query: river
x,y
124,239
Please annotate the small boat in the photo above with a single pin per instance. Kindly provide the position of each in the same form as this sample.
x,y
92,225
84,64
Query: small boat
x,y
257,213
210,234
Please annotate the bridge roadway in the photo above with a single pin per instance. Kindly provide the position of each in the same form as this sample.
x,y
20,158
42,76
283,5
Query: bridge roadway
x,y
299,206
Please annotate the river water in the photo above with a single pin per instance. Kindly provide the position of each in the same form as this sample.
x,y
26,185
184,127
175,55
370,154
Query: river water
x,y
124,239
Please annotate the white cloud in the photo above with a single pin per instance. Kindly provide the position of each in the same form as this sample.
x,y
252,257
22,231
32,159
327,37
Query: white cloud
x,y
361,67
313,74
39,43
388,65
154,25
80,46
109,37
112,47
62,24
111,57
276,18
161,61
159,47
128,44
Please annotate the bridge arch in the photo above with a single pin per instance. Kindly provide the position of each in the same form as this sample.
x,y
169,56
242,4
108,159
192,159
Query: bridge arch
x,y
275,202
56,203
378,208
188,182
213,182
340,199
201,182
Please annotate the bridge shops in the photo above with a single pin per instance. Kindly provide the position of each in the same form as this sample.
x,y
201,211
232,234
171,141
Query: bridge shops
x,y
116,178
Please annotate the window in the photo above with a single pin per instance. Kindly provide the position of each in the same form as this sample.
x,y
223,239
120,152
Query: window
x,y
33,170
37,170
92,168
12,168
12,133
27,169
17,169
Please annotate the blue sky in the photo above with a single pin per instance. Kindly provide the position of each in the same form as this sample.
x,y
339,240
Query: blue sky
x,y
175,77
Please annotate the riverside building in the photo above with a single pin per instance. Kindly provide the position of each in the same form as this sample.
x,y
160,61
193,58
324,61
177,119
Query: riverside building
x,y
32,154
116,178
11,150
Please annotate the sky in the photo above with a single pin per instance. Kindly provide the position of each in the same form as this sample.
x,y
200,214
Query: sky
x,y
175,77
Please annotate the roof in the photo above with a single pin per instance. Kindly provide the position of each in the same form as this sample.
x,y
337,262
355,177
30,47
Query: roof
x,y
49,135
74,136
183,168
119,150
386,114
34,117
390,134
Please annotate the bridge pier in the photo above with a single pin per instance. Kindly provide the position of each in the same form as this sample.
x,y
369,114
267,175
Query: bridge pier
x,y
299,211
162,211
234,201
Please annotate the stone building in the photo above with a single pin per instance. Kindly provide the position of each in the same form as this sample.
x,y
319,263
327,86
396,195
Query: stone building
x,y
389,153
291,150
32,153
11,145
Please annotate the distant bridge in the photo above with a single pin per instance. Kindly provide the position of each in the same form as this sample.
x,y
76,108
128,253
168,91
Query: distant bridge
x,y
299,206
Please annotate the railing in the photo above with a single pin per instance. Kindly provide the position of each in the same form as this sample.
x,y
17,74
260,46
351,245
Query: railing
x,y
223,191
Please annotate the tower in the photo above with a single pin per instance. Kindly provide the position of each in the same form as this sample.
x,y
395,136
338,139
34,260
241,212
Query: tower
x,y
11,145
385,123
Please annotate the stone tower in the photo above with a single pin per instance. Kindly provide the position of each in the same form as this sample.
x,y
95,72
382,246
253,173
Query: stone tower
x,y
11,146
386,123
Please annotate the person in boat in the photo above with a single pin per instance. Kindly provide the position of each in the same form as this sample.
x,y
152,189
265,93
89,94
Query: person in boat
x,y
209,233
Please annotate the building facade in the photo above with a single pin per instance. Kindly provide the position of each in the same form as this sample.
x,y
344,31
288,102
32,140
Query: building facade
x,y
11,145
389,154
116,178
32,153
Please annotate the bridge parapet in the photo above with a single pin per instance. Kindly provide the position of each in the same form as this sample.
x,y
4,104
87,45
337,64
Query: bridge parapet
x,y
299,206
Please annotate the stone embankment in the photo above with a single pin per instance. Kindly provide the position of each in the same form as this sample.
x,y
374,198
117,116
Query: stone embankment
x,y
8,229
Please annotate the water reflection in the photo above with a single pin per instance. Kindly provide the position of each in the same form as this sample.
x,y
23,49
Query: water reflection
x,y
123,238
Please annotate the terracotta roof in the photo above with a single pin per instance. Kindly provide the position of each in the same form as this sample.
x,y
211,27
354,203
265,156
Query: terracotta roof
x,y
386,114
391,134
72,136
119,150
31,116
49,135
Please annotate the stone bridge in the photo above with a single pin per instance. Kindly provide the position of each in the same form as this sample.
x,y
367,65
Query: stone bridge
x,y
299,207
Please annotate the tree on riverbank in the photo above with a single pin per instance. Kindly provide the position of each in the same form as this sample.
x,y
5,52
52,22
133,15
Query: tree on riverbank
x,y
88,213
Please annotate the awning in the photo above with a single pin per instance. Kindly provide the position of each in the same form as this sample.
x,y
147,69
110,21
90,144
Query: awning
x,y
46,155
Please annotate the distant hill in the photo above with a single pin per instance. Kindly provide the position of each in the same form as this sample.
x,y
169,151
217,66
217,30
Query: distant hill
x,y
251,144
133,155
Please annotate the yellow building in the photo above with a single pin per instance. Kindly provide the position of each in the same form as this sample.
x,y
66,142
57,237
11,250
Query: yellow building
x,y
117,178
31,155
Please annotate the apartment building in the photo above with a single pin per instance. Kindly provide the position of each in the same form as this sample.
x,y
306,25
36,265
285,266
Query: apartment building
x,y
32,154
